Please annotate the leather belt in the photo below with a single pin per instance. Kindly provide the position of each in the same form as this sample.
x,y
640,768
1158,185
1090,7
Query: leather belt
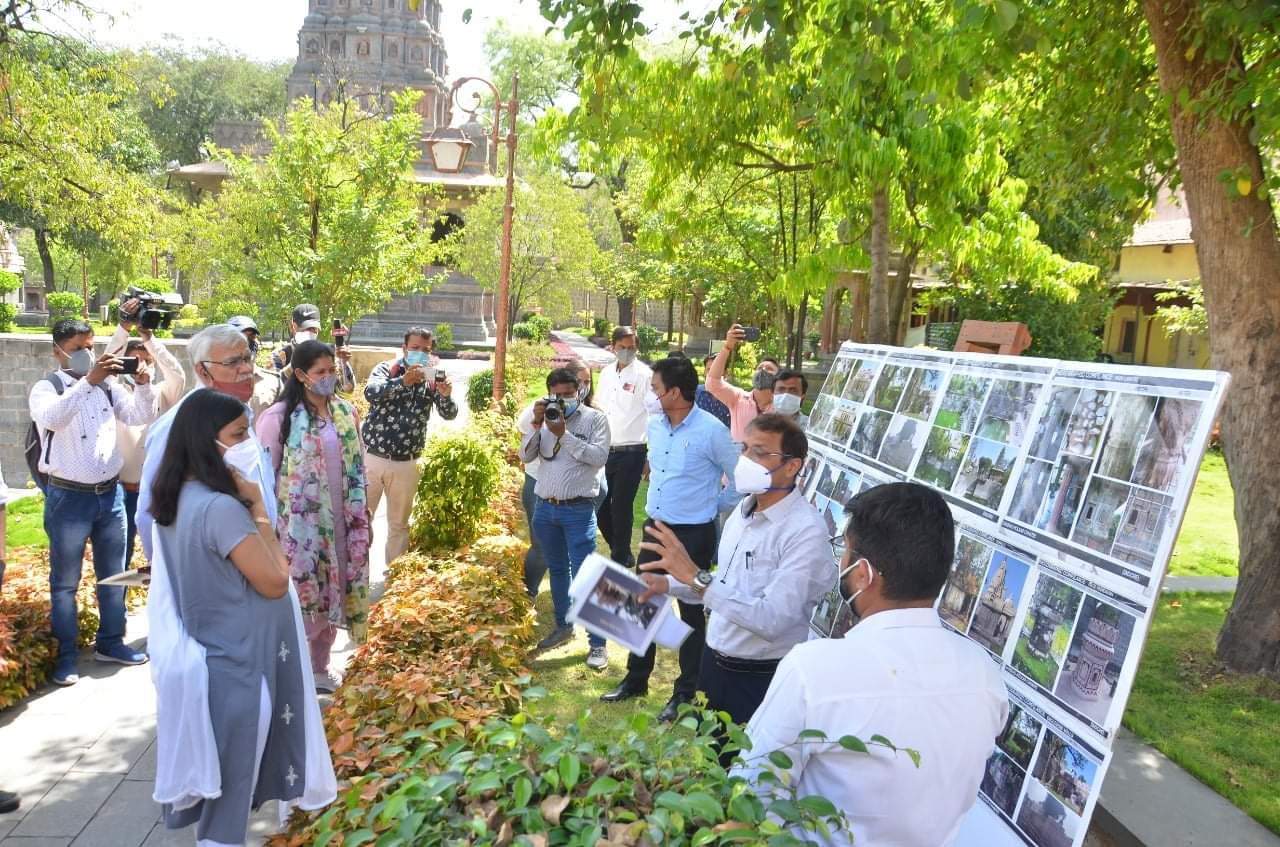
x,y
84,487
389,458
572,501
629,448
733,663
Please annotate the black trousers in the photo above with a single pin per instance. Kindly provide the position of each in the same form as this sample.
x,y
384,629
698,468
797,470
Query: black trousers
x,y
615,517
736,686
700,541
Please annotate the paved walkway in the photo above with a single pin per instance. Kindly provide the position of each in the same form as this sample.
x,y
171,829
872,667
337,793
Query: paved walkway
x,y
1210,584
567,344
83,758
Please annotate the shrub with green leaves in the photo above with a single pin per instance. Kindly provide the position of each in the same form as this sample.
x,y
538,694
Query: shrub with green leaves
x,y
9,283
648,339
480,390
541,326
603,327
524,331
64,304
460,472
443,336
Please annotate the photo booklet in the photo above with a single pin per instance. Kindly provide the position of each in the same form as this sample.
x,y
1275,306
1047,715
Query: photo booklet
x,y
605,599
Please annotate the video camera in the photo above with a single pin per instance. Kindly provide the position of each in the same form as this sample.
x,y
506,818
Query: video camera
x,y
154,311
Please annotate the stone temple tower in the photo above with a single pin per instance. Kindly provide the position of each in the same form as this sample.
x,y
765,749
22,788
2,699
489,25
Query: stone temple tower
x,y
374,47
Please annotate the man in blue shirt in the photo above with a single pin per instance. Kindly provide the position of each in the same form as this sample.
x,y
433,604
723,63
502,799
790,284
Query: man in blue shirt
x,y
690,453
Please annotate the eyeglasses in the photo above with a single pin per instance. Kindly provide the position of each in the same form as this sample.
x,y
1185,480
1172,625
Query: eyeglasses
x,y
246,359
757,454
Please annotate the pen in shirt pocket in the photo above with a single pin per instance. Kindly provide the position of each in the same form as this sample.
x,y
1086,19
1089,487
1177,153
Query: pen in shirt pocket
x,y
748,558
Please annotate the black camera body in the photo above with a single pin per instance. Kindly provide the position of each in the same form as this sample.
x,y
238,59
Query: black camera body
x,y
554,410
154,311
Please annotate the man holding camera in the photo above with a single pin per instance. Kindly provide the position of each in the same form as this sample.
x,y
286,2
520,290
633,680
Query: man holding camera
x,y
401,393
75,410
304,325
167,390
743,405
623,388
571,440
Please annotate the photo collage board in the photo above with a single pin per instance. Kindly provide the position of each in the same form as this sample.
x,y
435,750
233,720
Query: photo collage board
x,y
1068,484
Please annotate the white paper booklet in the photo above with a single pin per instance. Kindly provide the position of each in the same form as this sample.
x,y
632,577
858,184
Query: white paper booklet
x,y
605,598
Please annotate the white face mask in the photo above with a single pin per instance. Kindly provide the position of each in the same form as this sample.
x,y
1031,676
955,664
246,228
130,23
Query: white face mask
x,y
786,404
652,404
750,477
244,456
305,335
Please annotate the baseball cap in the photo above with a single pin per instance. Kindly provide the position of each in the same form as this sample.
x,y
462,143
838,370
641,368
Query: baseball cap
x,y
306,316
243,322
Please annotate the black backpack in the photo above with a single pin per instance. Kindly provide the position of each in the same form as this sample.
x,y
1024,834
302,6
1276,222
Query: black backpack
x,y
35,451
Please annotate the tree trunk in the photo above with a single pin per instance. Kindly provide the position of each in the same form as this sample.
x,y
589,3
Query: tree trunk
x,y
798,363
626,311
46,261
671,319
900,297
1239,257
880,328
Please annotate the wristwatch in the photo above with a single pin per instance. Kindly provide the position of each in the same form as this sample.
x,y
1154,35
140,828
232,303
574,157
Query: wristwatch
x,y
701,581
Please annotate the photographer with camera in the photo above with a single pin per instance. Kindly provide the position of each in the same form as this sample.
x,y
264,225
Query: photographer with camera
x,y
75,410
168,386
401,393
571,442
304,325
743,405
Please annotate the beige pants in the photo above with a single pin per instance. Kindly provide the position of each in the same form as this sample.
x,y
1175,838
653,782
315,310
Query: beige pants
x,y
399,481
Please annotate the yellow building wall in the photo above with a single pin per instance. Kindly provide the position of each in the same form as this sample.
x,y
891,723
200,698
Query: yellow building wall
x,y
1152,345
1152,264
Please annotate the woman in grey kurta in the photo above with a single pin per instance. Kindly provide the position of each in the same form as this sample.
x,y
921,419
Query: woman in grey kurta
x,y
229,582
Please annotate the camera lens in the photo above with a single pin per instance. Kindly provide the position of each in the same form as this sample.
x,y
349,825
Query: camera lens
x,y
552,413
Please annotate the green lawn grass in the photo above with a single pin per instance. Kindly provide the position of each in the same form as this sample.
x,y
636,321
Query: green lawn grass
x,y
1207,545
24,523
1219,727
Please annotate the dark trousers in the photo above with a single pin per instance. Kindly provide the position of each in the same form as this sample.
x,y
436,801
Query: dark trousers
x,y
736,686
131,525
535,566
700,541
615,516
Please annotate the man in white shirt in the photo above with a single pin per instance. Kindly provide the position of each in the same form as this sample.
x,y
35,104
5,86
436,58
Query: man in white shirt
x,y
898,674
623,387
775,564
75,410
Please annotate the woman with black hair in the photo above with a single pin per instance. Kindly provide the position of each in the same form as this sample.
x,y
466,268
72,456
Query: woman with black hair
x,y
314,440
237,721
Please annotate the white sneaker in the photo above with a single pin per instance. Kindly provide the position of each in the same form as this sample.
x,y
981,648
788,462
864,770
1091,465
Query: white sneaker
x,y
327,682
598,658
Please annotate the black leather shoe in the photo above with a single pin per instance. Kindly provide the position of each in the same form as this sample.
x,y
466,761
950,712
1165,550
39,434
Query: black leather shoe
x,y
671,711
9,802
624,691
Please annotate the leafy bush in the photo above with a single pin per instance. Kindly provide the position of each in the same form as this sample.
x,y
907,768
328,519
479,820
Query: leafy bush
x,y
648,339
8,312
524,331
603,327
154,284
527,363
480,390
64,304
459,478
9,283
443,336
541,326
222,309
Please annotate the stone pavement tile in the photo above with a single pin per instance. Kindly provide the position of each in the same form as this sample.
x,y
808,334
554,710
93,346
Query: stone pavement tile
x,y
119,748
162,837
69,805
125,820
7,823
261,825
145,768
37,841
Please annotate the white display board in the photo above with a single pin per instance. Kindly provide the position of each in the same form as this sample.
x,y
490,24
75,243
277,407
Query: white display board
x,y
1068,483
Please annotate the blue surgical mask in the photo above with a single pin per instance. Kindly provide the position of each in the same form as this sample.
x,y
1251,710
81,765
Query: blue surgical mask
x,y
325,386
570,406
417,357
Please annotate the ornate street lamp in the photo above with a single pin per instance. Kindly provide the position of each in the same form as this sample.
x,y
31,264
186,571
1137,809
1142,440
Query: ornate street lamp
x,y
446,150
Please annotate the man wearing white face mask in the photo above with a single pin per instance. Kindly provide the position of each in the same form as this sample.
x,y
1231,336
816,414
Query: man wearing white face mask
x,y
774,565
789,388
898,674
624,386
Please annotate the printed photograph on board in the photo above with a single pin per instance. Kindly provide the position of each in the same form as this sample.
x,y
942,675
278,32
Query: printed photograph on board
x,y
864,373
962,404
890,387
964,584
1051,430
1100,514
1125,434
1146,516
809,476
827,480
1165,448
998,603
838,375
1057,792
1032,486
1002,782
940,462
1058,513
1007,415
922,393
1018,738
846,485
1046,631
820,417
905,438
1084,433
1097,653
870,432
985,472
842,422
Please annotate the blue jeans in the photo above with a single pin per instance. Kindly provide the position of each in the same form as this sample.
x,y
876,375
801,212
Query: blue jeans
x,y
72,518
567,535
535,566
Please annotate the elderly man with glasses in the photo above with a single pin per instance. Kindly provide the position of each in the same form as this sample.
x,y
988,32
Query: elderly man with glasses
x,y
775,562
221,360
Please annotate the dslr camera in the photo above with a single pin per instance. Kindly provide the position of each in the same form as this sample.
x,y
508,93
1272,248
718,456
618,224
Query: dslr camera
x,y
554,410
154,311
